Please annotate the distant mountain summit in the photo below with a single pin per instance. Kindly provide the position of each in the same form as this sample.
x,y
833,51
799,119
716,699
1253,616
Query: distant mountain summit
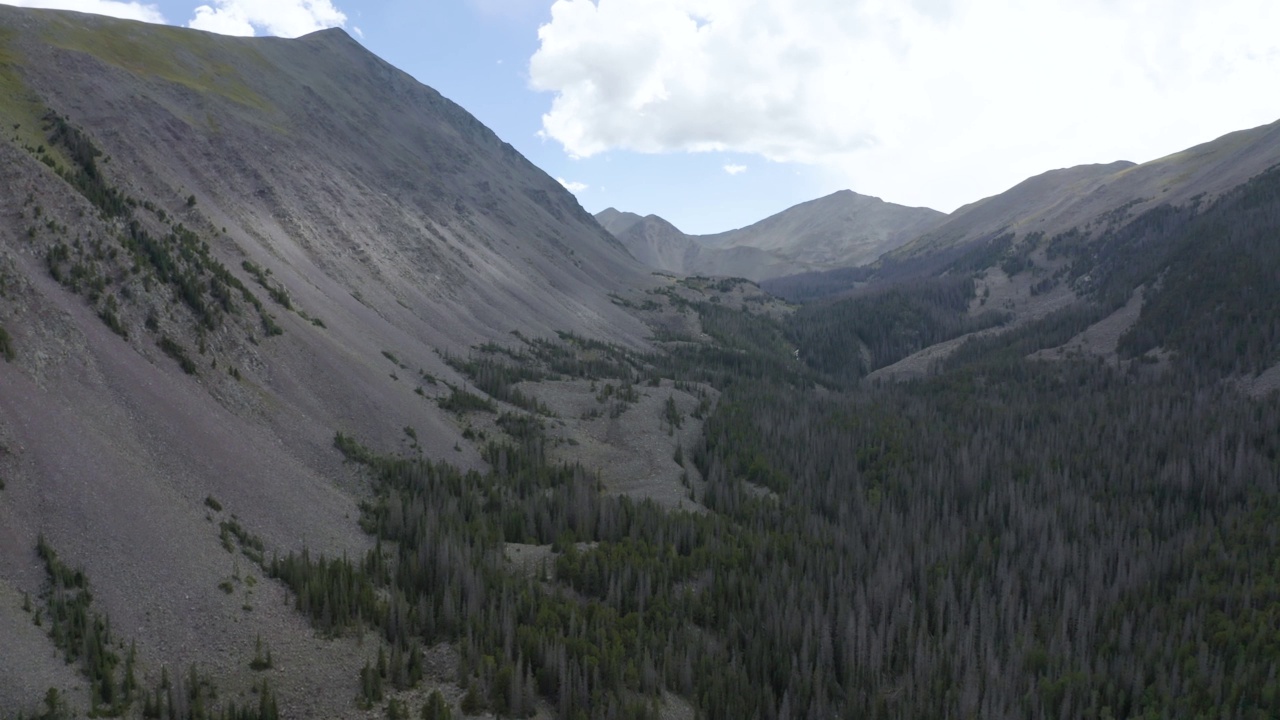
x,y
616,221
843,229
840,230
661,245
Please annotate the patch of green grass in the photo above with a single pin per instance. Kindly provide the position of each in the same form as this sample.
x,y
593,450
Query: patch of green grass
x,y
20,108
172,54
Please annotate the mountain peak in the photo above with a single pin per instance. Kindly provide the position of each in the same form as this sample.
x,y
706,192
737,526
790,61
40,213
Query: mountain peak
x,y
842,229
331,36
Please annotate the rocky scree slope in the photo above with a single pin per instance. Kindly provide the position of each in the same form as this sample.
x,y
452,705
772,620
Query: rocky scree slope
x,y
215,252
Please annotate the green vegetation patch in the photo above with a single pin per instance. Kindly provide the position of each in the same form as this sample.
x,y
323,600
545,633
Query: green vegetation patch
x,y
180,56
6,345
461,401
175,350
84,637
178,259
20,107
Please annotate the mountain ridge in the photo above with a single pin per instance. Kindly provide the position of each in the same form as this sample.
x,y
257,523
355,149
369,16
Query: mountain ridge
x,y
843,229
1058,200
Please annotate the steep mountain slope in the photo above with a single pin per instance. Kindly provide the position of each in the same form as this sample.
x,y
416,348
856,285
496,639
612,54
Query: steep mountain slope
x,y
216,252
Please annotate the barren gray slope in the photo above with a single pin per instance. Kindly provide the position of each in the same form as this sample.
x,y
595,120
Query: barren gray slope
x,y
1059,200
384,210
839,230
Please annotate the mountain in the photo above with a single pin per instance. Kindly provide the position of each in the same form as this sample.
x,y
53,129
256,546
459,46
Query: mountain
x,y
1087,199
616,221
844,229
216,252
1097,195
661,245
318,400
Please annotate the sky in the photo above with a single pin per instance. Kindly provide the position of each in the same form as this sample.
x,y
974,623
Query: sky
x,y
717,113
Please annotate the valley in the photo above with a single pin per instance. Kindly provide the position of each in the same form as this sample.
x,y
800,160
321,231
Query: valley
x,y
319,400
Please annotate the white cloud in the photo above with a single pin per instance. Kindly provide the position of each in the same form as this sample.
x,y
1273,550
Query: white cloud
x,y
282,18
735,169
571,186
929,102
115,8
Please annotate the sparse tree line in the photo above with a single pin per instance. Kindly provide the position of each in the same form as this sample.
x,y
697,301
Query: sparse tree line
x,y
116,689
128,260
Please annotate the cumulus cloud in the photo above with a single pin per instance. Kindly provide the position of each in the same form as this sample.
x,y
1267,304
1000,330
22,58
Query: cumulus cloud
x,y
115,8
571,186
282,18
927,101
735,169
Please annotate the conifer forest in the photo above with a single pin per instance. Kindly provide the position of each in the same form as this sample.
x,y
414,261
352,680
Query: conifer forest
x,y
1011,535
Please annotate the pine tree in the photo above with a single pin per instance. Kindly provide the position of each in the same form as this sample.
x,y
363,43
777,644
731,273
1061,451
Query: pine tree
x,y
436,708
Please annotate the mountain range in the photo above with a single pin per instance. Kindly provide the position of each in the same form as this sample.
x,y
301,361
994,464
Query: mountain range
x,y
843,229
317,399
846,230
